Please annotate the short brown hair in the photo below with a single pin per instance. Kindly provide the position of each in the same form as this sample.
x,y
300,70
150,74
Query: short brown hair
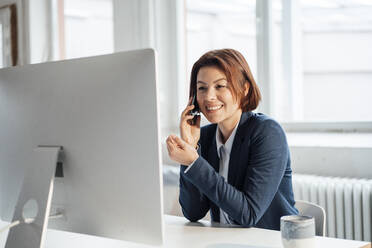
x,y
237,71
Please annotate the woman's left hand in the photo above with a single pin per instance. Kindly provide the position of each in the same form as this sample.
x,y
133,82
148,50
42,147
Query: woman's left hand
x,y
180,151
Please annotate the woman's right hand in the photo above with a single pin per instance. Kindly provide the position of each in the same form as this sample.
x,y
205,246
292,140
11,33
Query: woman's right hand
x,y
190,132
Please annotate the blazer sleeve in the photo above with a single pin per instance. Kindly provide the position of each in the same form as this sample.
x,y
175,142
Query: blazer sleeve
x,y
194,203
265,169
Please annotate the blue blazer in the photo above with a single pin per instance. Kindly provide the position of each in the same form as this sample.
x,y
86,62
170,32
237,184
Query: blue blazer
x,y
259,188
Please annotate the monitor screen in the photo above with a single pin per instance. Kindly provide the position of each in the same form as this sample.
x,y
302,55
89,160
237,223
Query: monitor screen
x,y
103,111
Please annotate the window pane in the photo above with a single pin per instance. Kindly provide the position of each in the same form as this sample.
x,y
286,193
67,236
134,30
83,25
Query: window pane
x,y
335,72
337,60
5,37
215,24
88,27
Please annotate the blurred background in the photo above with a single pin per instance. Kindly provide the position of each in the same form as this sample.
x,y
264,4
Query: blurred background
x,y
312,59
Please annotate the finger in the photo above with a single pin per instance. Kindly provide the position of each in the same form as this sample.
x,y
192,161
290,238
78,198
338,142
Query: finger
x,y
170,150
170,139
174,143
179,142
187,117
172,147
171,142
171,136
187,110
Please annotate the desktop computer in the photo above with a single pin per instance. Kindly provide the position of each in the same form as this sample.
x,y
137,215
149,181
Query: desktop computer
x,y
102,112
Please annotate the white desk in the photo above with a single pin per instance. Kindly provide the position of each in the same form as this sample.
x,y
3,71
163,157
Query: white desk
x,y
181,233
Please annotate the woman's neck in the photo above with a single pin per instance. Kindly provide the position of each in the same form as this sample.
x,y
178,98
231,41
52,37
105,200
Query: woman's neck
x,y
227,126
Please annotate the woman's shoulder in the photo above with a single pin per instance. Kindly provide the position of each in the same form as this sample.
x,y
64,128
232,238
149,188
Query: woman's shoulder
x,y
258,123
253,118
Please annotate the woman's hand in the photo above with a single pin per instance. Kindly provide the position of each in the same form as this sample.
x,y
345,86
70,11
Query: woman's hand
x,y
190,132
180,151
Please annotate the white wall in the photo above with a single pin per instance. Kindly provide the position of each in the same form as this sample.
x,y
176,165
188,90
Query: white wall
x,y
347,154
353,162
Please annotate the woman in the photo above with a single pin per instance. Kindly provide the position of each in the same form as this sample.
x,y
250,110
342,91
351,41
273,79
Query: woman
x,y
239,166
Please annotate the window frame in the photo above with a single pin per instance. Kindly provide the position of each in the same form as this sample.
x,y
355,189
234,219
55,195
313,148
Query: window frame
x,y
290,12
8,19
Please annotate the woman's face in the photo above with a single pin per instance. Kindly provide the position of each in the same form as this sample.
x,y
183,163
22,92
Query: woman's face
x,y
215,99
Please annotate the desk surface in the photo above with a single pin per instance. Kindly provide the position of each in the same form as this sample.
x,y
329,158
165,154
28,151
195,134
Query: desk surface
x,y
181,233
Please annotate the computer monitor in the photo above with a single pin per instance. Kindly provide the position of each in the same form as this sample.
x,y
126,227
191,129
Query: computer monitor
x,y
103,111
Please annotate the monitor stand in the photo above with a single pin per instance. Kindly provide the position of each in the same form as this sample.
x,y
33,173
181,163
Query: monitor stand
x,y
37,190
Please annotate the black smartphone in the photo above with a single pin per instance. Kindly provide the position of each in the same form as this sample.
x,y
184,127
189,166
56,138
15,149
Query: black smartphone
x,y
195,110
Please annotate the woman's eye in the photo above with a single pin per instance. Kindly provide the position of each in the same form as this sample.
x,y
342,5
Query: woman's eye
x,y
220,86
201,88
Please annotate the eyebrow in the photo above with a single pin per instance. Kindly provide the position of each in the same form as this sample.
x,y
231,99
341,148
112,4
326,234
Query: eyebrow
x,y
215,81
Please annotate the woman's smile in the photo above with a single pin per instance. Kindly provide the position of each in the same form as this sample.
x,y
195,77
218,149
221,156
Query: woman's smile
x,y
214,108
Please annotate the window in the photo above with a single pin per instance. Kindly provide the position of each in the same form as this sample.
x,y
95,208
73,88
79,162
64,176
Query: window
x,y
332,77
85,28
213,24
321,59
8,36
337,61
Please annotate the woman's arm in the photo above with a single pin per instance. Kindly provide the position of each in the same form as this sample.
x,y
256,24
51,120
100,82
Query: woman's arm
x,y
195,204
266,166
182,150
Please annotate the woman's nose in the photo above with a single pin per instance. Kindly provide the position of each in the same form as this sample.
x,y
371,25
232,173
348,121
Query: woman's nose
x,y
211,94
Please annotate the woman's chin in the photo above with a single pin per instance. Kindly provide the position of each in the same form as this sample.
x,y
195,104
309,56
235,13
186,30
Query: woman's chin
x,y
212,119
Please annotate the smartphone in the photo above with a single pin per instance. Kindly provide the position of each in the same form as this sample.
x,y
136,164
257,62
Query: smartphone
x,y
196,110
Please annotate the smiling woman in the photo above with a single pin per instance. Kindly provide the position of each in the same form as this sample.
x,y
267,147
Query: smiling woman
x,y
240,169
234,83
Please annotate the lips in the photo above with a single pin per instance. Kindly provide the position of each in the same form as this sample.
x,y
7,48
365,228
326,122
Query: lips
x,y
213,108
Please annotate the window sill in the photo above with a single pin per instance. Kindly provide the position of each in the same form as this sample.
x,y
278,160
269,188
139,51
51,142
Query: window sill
x,y
336,140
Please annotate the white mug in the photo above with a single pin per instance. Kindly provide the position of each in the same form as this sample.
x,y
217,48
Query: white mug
x,y
297,231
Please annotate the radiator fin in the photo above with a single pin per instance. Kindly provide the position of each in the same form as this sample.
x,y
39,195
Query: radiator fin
x,y
347,203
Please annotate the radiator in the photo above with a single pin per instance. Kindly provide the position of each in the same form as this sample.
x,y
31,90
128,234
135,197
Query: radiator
x,y
347,203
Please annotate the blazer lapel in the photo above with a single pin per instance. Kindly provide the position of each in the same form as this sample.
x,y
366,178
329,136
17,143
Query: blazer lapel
x,y
212,152
235,150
